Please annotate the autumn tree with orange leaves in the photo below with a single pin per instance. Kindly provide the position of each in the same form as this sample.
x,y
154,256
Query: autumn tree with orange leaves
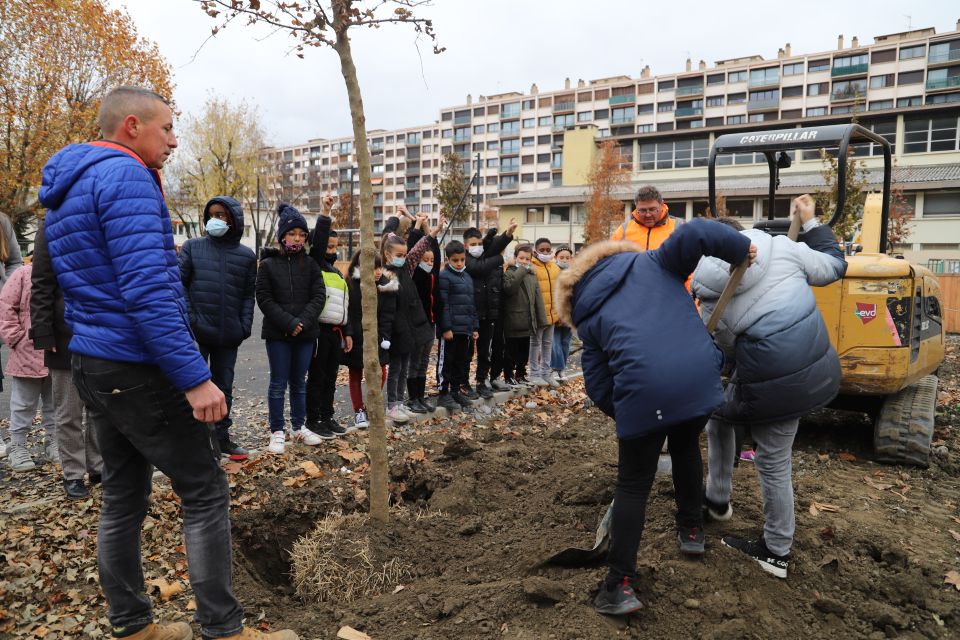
x,y
59,58
604,208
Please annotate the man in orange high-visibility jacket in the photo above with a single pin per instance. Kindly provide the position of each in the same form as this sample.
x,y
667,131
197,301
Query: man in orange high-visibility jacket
x,y
650,222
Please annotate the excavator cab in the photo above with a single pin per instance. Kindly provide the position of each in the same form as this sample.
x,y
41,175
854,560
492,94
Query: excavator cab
x,y
884,317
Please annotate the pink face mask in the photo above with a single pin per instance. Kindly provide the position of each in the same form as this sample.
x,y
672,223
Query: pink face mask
x,y
292,247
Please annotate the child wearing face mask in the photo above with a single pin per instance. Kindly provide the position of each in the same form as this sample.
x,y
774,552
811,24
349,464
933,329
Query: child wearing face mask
x,y
219,276
541,342
561,332
523,314
387,289
410,325
290,293
458,325
427,280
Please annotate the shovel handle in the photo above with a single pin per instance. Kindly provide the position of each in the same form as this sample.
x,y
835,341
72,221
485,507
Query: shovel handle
x,y
727,293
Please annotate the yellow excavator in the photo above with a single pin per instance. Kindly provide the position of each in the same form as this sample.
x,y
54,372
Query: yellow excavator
x,y
884,316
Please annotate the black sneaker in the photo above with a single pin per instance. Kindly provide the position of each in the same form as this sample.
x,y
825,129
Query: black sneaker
x,y
523,382
416,406
511,383
230,449
617,600
757,549
448,402
75,489
496,385
334,427
691,540
462,400
429,405
715,511
484,390
95,478
469,392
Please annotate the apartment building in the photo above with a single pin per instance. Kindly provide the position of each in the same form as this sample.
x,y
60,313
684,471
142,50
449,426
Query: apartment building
x,y
535,148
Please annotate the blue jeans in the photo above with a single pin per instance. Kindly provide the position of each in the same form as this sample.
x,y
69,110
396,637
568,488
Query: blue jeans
x,y
289,362
561,347
143,421
223,362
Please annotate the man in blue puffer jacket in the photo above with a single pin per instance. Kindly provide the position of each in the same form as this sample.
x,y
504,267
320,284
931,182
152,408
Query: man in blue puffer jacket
x,y
220,277
783,368
146,387
649,364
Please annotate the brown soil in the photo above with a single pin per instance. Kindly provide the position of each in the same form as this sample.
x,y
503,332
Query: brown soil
x,y
495,500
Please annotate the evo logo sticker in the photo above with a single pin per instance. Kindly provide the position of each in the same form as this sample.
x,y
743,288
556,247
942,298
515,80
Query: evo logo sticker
x,y
866,312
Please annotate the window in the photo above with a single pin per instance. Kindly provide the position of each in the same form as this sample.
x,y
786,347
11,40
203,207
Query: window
x,y
737,76
818,88
478,129
879,82
509,164
447,133
622,115
764,96
912,101
529,104
585,116
544,139
793,92
545,121
601,94
543,176
674,154
943,98
665,107
529,123
790,114
493,127
665,126
924,134
849,89
493,145
585,96
813,112
887,55
910,77
534,215
478,111
510,126
736,119
510,110
909,53
559,214
493,110
526,177
477,146
446,116
644,128
666,85
887,129
529,142
757,117
715,101
715,122
763,77
795,69
736,98
946,203
601,114
850,61
715,78
880,105
492,163
644,108
818,65
543,157
510,146
841,110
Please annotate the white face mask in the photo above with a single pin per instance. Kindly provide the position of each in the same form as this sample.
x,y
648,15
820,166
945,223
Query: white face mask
x,y
475,251
544,257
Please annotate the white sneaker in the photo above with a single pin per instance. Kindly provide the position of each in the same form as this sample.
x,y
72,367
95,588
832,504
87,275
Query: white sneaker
x,y
308,437
20,459
361,421
3,450
397,416
278,442
537,381
559,376
52,453
406,410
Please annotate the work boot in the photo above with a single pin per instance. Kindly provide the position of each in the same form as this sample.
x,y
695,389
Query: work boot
x,y
172,631
252,634
618,599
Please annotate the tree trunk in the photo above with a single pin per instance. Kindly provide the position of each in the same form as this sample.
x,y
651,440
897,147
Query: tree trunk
x,y
377,449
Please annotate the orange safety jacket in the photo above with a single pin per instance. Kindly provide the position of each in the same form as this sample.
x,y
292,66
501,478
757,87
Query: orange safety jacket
x,y
649,238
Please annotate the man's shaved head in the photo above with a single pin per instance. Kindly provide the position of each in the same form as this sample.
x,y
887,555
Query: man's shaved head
x,y
125,101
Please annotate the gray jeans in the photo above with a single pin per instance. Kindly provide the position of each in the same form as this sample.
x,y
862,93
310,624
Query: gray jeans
x,y
541,348
76,441
25,395
774,446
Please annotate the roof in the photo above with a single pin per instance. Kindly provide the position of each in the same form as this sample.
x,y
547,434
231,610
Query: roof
x,y
910,178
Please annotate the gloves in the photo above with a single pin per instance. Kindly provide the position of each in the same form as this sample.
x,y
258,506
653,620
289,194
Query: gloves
x,y
385,344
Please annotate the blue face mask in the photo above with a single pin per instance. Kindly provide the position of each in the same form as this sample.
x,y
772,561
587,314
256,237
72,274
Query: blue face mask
x,y
426,267
398,262
460,270
216,227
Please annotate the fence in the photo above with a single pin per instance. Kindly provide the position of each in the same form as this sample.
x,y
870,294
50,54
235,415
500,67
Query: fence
x,y
950,301
939,265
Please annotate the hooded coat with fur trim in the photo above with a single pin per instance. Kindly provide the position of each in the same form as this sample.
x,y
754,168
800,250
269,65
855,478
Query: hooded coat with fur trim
x,y
648,361
784,364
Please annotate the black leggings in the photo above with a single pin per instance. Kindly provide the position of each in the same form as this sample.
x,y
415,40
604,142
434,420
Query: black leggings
x,y
635,473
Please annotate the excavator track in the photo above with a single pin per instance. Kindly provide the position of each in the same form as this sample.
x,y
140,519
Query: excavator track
x,y
904,426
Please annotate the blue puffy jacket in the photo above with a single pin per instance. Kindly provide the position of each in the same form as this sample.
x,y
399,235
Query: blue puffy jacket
x,y
459,312
220,276
111,242
648,361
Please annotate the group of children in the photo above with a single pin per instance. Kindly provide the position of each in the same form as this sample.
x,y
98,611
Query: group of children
x,y
468,305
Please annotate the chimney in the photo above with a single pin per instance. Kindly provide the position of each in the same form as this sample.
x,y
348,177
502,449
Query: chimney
x,y
780,53
646,72
533,89
855,42
703,66
840,42
581,84
469,99
958,25
689,65
566,83
786,50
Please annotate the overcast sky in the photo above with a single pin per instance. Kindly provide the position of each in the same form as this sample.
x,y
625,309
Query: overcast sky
x,y
493,46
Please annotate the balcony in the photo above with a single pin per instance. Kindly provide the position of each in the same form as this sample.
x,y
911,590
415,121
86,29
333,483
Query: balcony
x,y
413,141
947,56
627,99
509,133
509,151
412,171
564,107
411,200
689,91
688,112
755,83
510,187
943,83
411,186
558,127
509,168
462,119
465,137
763,105
506,115
556,164
848,94
628,119
851,70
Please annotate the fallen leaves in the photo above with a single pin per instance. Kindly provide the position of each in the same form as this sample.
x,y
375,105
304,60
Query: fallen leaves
x,y
846,456
952,577
166,589
349,633
817,507
311,469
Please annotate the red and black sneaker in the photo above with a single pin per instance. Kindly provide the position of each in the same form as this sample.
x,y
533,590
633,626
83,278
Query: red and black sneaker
x,y
616,599
230,449
691,540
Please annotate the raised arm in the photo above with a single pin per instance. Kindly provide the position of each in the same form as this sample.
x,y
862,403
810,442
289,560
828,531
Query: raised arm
x,y
681,252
